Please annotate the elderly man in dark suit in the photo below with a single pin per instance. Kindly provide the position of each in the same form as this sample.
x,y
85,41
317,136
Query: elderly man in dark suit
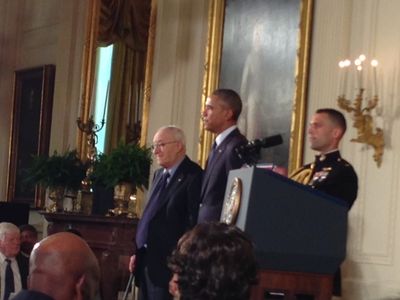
x,y
14,267
220,116
171,210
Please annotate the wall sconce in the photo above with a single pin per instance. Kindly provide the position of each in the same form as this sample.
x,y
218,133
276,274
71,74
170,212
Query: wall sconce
x,y
133,130
90,128
363,121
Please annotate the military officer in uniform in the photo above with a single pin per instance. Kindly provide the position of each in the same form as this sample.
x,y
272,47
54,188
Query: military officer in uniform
x,y
329,172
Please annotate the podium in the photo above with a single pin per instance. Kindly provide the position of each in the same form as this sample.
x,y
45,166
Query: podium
x,y
299,233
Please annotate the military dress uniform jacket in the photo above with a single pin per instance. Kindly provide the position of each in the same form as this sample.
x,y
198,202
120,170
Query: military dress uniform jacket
x,y
331,174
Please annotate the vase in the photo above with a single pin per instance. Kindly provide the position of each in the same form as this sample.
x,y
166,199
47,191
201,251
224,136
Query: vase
x,y
132,206
122,195
56,197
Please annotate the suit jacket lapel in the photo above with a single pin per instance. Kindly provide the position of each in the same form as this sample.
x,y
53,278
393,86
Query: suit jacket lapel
x,y
217,159
157,178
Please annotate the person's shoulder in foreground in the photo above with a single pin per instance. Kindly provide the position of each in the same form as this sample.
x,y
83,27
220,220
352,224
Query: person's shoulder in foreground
x,y
32,295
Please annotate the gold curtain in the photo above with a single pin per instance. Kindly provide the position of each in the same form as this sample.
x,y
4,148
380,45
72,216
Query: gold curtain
x,y
125,24
124,20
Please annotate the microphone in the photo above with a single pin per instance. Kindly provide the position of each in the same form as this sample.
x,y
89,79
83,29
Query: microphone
x,y
256,145
248,151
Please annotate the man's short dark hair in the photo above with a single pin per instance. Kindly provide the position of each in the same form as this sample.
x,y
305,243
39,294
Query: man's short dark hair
x,y
214,261
336,116
231,99
28,227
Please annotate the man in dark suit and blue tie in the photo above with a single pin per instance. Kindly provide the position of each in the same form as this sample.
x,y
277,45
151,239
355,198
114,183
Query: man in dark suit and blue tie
x,y
14,268
220,116
171,210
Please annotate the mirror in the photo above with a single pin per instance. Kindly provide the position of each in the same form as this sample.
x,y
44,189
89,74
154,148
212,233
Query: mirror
x,y
120,32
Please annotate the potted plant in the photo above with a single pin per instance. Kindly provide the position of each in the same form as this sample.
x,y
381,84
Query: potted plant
x,y
125,169
58,173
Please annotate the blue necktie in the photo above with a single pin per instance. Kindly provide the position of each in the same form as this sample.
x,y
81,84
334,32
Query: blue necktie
x,y
9,280
150,210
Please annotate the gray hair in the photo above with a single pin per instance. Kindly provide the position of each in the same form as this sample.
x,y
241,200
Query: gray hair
x,y
5,228
177,132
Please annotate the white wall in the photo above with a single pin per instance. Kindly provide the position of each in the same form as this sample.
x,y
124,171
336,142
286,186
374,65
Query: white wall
x,y
178,68
35,33
9,24
345,29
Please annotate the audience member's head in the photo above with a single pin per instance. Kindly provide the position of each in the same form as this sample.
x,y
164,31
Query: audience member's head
x,y
29,237
213,261
10,239
64,267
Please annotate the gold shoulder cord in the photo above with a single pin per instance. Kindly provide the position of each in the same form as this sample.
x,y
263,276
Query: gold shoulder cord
x,y
302,175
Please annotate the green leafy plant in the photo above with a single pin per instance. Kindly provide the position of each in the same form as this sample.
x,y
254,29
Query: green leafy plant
x,y
125,163
65,170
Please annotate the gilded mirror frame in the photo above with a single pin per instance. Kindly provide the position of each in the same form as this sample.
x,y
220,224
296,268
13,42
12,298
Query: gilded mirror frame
x,y
212,70
89,65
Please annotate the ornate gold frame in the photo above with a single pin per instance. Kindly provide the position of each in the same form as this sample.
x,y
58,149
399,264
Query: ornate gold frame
x,y
88,70
36,83
148,72
212,71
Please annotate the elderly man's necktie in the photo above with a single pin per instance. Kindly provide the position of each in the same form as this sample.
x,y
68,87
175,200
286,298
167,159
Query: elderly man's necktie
x,y
150,210
9,280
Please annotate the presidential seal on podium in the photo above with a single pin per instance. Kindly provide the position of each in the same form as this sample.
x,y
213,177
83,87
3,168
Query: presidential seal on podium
x,y
231,205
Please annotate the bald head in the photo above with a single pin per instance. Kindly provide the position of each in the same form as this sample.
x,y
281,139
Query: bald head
x,y
64,267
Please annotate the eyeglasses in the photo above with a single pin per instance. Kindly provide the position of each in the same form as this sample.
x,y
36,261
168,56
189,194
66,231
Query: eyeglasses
x,y
161,145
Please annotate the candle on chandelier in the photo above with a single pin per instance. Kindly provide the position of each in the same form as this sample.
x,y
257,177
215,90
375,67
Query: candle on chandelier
x,y
341,78
362,58
106,101
347,64
357,63
92,101
374,64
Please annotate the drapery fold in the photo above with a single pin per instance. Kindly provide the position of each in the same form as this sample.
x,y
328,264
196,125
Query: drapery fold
x,y
124,20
